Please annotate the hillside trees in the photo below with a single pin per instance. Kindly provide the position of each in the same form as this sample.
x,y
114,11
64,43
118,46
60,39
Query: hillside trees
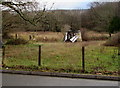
x,y
35,17
73,18
40,19
28,11
53,22
99,16
23,8
114,25
10,23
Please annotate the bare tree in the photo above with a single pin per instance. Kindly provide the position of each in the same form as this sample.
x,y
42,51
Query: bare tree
x,y
25,8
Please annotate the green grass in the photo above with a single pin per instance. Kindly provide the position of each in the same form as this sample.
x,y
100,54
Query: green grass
x,y
102,58
63,57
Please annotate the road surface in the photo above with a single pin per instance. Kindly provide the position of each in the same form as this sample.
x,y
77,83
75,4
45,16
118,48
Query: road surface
x,y
30,80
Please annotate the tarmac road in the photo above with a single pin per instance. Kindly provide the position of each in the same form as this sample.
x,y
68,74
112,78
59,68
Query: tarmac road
x,y
31,80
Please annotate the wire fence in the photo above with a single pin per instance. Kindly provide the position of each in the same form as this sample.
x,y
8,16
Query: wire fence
x,y
67,57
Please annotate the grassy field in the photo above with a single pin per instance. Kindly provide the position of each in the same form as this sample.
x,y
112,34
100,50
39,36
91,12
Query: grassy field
x,y
64,57
58,56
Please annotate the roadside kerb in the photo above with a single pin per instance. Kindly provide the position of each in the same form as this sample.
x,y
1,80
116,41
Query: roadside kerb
x,y
67,75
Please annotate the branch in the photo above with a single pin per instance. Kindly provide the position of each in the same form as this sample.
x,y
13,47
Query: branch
x,y
11,5
39,16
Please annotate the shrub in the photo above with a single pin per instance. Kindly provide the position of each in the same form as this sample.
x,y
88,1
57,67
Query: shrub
x,y
114,40
114,24
17,41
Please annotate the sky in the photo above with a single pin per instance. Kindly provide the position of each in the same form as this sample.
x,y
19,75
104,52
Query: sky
x,y
66,4
70,4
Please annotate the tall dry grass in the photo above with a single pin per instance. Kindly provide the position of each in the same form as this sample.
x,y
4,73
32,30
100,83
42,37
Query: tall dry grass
x,y
40,36
58,37
93,36
114,40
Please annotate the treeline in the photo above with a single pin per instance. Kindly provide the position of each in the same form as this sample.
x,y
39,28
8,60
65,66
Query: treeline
x,y
100,17
52,21
104,16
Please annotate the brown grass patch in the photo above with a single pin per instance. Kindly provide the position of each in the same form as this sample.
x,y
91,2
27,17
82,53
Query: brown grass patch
x,y
91,35
114,40
40,36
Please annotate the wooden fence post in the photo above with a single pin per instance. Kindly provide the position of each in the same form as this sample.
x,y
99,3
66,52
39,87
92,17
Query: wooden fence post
x,y
83,59
16,36
119,57
39,56
30,37
118,51
3,54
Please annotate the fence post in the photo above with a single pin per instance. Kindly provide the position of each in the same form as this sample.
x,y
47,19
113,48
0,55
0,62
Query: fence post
x,y
39,56
30,37
3,54
16,36
118,51
83,59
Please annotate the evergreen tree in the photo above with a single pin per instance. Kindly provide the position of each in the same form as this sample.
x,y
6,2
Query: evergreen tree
x,y
114,25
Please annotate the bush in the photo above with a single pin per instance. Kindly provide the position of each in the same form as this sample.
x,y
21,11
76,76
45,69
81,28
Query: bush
x,y
17,41
114,24
114,40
